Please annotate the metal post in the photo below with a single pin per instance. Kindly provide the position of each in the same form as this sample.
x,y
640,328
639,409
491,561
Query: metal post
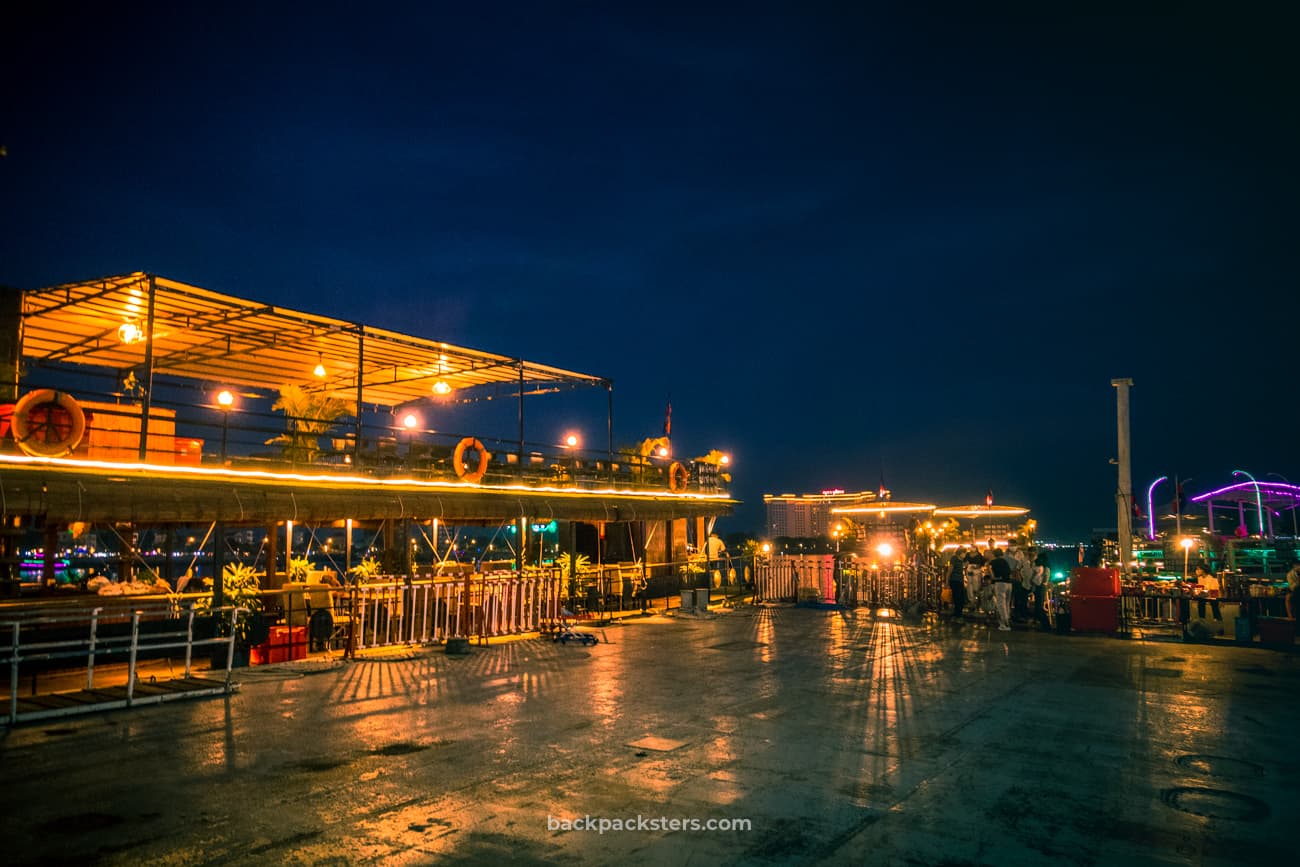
x,y
130,670
13,675
1124,494
1178,507
219,565
147,400
189,640
361,370
90,653
521,415
609,420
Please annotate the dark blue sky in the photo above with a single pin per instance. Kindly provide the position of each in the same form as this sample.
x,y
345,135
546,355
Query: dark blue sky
x,y
842,239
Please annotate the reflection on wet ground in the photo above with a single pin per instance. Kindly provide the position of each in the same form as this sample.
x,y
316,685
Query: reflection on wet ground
x,y
839,737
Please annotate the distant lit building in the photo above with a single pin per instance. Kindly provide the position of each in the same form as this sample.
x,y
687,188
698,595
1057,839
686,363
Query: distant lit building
x,y
808,515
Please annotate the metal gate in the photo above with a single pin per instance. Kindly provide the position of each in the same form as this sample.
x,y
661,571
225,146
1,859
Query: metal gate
x,y
827,579
485,605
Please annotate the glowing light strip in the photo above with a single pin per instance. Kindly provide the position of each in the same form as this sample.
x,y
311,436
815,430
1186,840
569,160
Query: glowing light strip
x,y
1259,502
883,507
981,511
1274,487
808,498
1151,512
335,480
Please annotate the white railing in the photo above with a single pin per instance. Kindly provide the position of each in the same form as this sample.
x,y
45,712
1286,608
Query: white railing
x,y
486,605
821,578
44,637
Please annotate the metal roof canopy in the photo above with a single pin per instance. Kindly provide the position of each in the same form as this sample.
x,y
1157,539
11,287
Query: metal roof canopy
x,y
199,334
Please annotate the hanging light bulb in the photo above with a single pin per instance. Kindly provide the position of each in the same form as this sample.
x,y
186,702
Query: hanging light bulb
x,y
441,387
320,366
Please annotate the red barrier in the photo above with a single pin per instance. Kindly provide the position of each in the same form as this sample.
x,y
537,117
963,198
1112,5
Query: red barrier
x,y
1087,581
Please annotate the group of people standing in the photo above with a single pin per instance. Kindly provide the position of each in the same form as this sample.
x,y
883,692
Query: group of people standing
x,y
1013,579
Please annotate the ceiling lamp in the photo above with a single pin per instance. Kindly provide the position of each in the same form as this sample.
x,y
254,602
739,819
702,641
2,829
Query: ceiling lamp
x,y
320,366
441,387
129,332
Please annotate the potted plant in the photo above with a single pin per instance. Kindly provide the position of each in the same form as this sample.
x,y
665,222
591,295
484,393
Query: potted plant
x,y
298,568
240,589
694,582
367,570
570,569
308,416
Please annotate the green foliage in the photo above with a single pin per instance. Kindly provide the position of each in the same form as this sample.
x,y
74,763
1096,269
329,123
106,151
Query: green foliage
x,y
308,416
563,561
298,568
240,588
714,458
366,569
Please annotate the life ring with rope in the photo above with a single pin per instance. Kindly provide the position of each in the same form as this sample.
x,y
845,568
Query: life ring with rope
x,y
48,423
458,460
678,476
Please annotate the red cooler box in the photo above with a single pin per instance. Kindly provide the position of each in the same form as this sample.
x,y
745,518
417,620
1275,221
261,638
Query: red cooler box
x,y
1094,614
285,643
1086,581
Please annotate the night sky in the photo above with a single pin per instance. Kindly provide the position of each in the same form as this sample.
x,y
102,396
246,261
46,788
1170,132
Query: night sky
x,y
846,242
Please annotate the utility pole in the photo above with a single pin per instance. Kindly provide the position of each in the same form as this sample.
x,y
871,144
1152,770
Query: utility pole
x,y
1124,494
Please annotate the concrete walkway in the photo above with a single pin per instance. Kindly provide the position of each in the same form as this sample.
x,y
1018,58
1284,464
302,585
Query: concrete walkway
x,y
838,738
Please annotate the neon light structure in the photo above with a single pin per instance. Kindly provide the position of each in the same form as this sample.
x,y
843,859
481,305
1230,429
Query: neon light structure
x,y
1151,512
1293,490
1259,502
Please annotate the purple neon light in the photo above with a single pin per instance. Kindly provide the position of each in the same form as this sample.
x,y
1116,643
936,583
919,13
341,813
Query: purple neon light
x,y
1151,512
1293,490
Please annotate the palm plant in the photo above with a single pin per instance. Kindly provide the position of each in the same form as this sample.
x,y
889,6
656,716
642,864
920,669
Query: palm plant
x,y
309,415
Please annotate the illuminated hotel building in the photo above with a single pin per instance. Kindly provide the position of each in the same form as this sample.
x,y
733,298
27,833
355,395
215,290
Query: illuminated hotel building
x,y
808,515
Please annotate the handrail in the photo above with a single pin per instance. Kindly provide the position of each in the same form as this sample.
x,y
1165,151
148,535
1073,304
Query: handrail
x,y
94,645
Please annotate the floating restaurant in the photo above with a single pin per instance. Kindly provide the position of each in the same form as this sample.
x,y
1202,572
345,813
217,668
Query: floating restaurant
x,y
139,402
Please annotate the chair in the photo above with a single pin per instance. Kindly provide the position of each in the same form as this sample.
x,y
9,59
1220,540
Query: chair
x,y
317,607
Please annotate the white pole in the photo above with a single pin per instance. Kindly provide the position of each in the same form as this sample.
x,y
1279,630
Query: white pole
x,y
1124,495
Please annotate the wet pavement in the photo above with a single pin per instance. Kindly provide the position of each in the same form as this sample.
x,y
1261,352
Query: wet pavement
x,y
839,738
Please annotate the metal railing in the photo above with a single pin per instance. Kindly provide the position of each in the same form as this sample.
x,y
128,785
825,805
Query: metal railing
x,y
189,428
827,579
43,638
483,606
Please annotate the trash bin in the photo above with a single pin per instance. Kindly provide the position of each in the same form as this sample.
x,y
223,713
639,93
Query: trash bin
x,y
1241,627
688,600
702,598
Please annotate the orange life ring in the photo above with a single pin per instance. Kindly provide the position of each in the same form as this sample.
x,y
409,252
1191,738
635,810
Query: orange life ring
x,y
678,476
48,423
458,460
